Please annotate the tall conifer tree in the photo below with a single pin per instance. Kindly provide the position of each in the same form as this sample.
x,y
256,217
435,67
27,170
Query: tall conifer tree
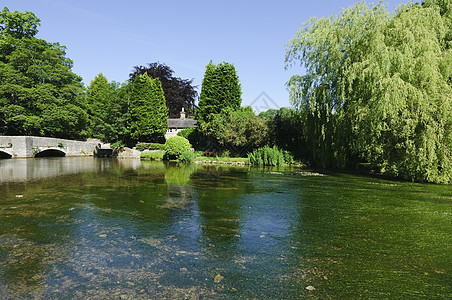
x,y
147,108
220,89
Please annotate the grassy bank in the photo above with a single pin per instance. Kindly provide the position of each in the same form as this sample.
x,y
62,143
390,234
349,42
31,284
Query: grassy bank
x,y
152,155
237,160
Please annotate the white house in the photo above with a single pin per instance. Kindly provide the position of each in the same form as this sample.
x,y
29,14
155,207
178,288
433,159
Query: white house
x,y
177,125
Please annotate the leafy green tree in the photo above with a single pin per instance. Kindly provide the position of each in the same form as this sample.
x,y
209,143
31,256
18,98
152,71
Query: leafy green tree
x,y
18,25
178,92
239,131
377,89
107,108
39,94
285,130
220,89
147,109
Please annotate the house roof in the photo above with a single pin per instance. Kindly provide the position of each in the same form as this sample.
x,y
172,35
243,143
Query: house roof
x,y
178,123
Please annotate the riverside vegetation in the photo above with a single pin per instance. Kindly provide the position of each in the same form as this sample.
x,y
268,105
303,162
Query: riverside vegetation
x,y
376,93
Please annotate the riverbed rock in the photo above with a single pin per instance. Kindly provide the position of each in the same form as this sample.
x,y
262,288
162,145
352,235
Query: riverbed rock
x,y
218,278
310,288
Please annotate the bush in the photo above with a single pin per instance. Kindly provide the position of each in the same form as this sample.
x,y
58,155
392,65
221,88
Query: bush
x,y
186,132
187,156
150,146
267,156
195,137
118,144
175,146
288,157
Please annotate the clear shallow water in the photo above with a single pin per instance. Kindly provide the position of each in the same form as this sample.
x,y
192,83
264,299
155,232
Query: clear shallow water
x,y
104,228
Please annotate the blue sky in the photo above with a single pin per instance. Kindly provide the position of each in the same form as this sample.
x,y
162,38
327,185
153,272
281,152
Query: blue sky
x,y
114,36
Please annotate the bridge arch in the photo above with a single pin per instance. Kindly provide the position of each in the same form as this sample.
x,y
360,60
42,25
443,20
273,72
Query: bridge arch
x,y
52,152
4,154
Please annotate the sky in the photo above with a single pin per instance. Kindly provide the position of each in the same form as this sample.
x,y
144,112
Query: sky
x,y
111,37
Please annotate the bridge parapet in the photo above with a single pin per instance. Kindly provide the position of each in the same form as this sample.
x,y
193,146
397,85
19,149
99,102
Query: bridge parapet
x,y
29,146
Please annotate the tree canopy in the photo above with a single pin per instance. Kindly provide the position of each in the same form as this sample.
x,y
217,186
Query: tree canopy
x,y
178,92
220,89
107,108
238,131
39,94
377,89
18,25
148,112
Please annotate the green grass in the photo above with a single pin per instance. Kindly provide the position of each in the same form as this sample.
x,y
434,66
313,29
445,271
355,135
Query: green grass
x,y
223,159
154,155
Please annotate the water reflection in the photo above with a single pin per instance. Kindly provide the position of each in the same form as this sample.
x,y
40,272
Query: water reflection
x,y
29,169
106,228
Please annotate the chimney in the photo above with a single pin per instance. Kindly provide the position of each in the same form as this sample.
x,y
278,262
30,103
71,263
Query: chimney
x,y
182,114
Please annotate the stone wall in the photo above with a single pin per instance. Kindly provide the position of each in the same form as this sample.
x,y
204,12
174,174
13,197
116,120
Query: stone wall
x,y
27,146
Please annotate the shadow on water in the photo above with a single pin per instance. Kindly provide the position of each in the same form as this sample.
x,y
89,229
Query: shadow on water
x,y
109,228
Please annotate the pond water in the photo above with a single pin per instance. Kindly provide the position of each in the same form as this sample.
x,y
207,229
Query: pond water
x,y
127,229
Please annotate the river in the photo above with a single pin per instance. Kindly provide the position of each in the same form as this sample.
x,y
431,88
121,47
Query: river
x,y
84,228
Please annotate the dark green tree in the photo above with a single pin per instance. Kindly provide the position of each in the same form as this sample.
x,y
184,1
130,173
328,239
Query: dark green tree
x,y
107,108
39,94
239,131
220,89
178,92
147,109
285,130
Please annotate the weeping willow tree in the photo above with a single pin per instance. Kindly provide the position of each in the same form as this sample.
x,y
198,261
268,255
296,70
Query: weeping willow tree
x,y
377,89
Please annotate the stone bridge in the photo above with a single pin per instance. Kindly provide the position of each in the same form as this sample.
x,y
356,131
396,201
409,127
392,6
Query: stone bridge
x,y
33,146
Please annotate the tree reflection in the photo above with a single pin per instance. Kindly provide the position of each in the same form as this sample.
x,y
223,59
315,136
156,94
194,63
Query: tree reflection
x,y
219,190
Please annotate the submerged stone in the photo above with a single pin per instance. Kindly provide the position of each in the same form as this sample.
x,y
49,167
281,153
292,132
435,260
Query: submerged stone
x,y
218,278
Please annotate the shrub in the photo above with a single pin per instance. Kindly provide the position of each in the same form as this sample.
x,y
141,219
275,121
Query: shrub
x,y
186,132
195,137
175,146
187,156
267,156
150,146
118,144
288,157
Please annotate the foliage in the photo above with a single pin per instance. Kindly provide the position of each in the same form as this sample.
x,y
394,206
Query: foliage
x,y
18,25
186,132
39,94
153,155
178,92
107,109
237,130
288,157
285,130
377,89
267,156
220,89
223,159
117,145
187,156
175,146
147,108
196,138
150,146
